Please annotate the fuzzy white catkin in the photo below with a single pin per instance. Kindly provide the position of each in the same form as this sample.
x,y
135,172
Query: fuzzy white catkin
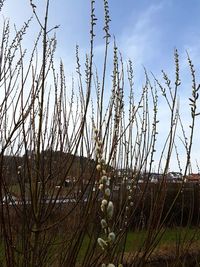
x,y
108,183
101,187
102,243
98,167
107,192
104,178
110,265
103,208
110,209
103,223
111,237
104,202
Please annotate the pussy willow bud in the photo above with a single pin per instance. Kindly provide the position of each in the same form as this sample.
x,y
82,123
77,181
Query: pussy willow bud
x,y
104,202
103,205
104,179
101,187
110,209
103,223
98,167
108,183
111,237
102,243
103,208
107,192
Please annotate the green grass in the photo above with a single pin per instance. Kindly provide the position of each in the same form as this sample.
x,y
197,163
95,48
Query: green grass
x,y
135,240
170,237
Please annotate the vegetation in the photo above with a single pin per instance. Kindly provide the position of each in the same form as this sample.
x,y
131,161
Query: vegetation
x,y
53,133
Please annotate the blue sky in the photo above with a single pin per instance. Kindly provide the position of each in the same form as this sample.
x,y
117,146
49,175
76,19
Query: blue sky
x,y
146,31
153,27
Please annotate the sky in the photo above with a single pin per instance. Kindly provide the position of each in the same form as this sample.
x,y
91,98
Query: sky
x,y
146,31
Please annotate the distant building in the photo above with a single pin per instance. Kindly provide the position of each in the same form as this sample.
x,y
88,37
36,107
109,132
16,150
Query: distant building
x,y
193,178
174,177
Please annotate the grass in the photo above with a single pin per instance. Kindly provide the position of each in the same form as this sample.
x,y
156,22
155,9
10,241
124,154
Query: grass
x,y
135,240
170,237
168,240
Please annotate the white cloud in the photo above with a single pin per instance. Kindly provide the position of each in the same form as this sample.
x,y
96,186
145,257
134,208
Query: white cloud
x,y
138,40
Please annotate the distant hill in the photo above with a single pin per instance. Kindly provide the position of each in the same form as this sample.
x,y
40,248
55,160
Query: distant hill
x,y
53,165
